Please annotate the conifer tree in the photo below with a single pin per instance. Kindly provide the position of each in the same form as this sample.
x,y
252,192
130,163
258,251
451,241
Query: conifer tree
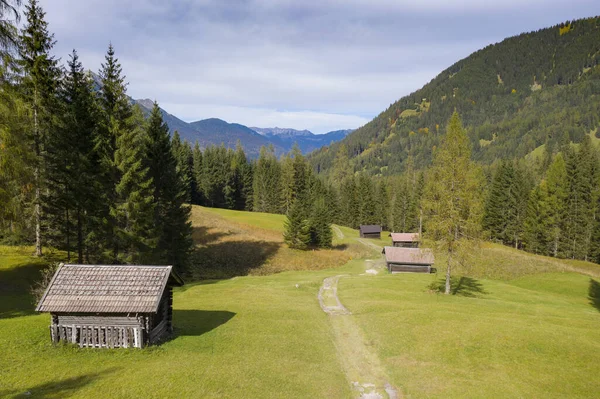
x,y
320,226
538,234
198,197
452,200
185,162
134,211
297,233
16,156
115,115
40,85
500,205
242,176
171,214
382,205
267,182
349,205
582,177
366,200
341,166
73,191
557,187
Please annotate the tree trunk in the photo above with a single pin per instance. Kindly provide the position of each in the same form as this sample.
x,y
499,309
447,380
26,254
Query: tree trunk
x,y
79,238
36,175
68,236
447,291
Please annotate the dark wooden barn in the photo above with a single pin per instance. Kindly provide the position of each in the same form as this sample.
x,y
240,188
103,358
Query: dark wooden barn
x,y
105,306
405,240
370,231
415,260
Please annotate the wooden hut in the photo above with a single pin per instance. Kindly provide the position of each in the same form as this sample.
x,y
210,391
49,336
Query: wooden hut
x,y
370,231
415,260
105,306
405,240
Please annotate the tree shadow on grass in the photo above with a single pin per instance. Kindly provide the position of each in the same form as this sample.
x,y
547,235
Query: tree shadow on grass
x,y
202,235
461,286
340,247
188,322
230,258
15,297
594,294
57,389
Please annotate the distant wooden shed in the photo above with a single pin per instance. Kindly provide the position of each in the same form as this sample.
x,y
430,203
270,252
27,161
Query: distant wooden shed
x,y
405,240
370,231
415,260
110,306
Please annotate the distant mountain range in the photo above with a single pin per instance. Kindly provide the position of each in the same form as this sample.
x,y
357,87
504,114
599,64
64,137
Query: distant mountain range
x,y
215,131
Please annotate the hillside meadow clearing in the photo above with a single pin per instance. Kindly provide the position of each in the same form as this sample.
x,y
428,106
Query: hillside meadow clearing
x,y
518,326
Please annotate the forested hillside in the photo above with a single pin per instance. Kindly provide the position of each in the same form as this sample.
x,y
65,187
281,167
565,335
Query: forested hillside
x,y
538,88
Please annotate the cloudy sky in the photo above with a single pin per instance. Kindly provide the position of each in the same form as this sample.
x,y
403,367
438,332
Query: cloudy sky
x,y
318,65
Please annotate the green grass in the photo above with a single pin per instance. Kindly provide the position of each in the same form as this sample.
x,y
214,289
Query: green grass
x,y
240,338
520,326
536,336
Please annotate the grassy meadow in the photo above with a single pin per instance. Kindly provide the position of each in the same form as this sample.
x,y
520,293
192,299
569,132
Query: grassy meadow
x,y
248,325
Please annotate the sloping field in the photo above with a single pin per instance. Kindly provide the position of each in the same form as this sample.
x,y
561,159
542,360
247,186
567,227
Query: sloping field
x,y
518,326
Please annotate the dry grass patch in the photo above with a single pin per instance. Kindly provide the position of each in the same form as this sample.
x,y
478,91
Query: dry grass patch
x,y
233,243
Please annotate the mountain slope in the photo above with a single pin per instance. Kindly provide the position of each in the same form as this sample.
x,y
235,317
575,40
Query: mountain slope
x,y
529,90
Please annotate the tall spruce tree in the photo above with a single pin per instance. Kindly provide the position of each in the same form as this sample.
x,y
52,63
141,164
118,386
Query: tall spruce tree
x,y
267,182
382,204
40,84
116,112
198,197
557,187
171,214
297,226
320,225
135,209
452,200
366,200
349,204
185,162
242,177
538,234
73,191
16,156
582,177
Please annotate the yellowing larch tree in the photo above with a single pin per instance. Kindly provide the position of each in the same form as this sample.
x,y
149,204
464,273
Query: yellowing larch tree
x,y
452,198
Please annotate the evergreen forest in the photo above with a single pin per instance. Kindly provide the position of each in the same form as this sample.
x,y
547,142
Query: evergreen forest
x,y
85,170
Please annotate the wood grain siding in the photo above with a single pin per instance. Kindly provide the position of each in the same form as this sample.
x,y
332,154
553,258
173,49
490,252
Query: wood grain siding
x,y
371,235
406,244
83,320
399,268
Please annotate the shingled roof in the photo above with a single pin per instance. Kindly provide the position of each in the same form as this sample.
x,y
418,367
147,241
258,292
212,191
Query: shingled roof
x,y
408,256
370,228
107,289
405,237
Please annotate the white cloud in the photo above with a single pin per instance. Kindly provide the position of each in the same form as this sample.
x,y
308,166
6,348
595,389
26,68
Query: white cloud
x,y
323,62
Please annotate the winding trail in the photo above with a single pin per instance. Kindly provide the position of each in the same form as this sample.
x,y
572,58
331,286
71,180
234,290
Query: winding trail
x,y
370,244
361,365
